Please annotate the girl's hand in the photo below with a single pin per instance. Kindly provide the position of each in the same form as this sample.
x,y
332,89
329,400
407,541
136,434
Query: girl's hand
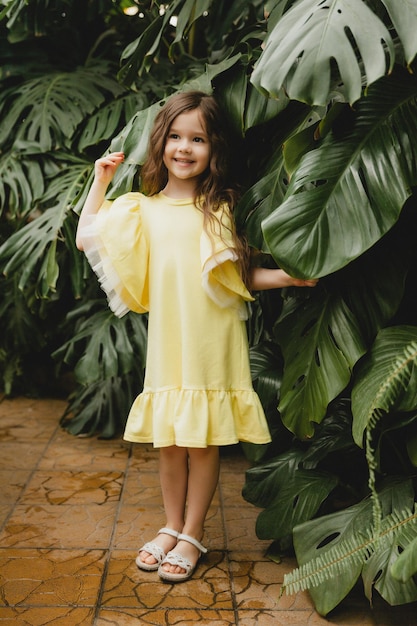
x,y
299,282
263,278
105,168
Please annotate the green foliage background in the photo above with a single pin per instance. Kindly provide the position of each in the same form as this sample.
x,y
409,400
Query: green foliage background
x,y
321,100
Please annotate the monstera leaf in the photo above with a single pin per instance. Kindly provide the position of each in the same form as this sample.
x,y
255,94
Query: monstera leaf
x,y
268,192
106,122
334,550
21,184
404,16
355,183
323,333
110,345
311,37
321,341
290,494
34,248
46,111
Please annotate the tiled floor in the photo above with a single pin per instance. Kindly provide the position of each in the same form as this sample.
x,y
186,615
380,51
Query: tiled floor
x,y
73,512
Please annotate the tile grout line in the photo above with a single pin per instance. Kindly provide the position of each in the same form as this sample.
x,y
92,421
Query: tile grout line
x,y
29,478
231,581
109,549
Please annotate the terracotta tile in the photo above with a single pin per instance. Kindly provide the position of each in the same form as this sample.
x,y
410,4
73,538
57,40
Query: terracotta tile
x,y
33,428
166,617
17,455
255,585
24,419
67,452
20,410
214,532
145,458
136,525
281,618
240,527
58,616
50,577
231,485
49,526
142,490
5,511
127,586
69,488
12,484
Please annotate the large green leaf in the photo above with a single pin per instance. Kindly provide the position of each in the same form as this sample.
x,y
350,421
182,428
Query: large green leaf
x,y
246,107
46,111
102,407
321,341
188,14
323,337
108,354
141,53
21,184
295,502
355,183
345,536
314,34
34,247
106,122
269,190
377,570
404,17
110,346
266,371
386,379
288,493
406,564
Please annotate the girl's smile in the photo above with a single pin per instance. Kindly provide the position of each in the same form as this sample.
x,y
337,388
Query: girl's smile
x,y
187,149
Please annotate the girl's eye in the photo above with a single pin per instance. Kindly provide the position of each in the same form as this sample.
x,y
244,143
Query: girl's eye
x,y
198,139
174,136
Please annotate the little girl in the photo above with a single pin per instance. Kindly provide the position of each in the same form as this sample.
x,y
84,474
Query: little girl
x,y
173,251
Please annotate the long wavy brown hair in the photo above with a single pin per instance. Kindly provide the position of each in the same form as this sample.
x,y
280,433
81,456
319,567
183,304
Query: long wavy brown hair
x,y
213,189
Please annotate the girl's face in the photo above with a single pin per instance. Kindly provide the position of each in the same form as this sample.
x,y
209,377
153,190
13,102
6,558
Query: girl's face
x,y
187,148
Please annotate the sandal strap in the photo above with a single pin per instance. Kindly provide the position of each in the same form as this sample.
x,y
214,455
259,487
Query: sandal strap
x,y
153,549
168,531
194,542
173,558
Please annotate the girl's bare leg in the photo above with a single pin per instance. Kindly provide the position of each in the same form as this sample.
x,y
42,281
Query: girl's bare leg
x,y
203,476
173,474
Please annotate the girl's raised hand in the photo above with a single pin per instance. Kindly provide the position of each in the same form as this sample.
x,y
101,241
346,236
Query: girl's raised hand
x,y
105,168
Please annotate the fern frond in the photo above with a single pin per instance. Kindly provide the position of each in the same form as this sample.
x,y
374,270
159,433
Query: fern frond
x,y
395,383
384,378
350,552
392,386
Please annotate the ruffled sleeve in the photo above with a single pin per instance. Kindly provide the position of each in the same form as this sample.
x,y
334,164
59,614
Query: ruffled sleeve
x,y
117,249
220,276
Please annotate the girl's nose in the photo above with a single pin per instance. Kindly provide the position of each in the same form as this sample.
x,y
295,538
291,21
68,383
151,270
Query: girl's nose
x,y
184,146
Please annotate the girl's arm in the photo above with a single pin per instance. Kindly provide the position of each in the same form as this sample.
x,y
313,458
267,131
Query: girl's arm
x,y
104,170
262,278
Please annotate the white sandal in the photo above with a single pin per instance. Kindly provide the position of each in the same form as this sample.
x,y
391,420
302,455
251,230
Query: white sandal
x,y
174,558
154,550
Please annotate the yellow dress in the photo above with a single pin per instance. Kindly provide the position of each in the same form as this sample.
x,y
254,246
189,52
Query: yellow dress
x,y
152,254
